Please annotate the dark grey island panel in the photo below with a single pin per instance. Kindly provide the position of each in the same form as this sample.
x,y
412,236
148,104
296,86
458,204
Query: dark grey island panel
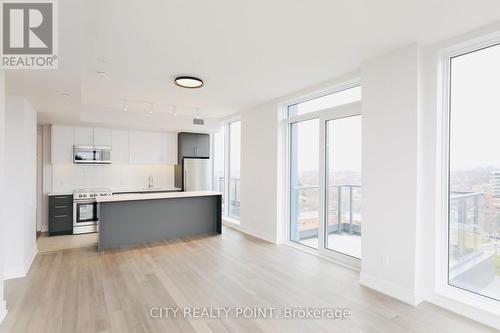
x,y
124,223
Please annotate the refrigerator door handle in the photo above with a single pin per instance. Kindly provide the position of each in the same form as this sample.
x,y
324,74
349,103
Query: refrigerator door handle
x,y
185,179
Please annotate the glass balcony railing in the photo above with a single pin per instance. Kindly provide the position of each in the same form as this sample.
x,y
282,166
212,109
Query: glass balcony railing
x,y
219,186
474,243
234,197
234,194
343,215
344,209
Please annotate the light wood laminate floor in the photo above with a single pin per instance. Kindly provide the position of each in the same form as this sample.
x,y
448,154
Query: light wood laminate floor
x,y
65,242
81,290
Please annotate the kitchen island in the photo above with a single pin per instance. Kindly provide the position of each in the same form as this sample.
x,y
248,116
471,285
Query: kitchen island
x,y
129,219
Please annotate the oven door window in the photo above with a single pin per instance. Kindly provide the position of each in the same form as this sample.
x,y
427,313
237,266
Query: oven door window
x,y
86,212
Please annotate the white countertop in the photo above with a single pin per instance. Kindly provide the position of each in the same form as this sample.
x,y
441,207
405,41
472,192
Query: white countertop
x,y
154,189
152,196
60,193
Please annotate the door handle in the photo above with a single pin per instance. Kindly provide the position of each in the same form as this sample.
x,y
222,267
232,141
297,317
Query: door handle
x,y
185,179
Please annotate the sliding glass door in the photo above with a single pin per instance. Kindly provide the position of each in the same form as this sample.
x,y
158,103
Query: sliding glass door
x,y
304,183
343,179
325,174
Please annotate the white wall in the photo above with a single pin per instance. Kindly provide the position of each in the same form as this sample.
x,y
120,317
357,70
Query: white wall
x,y
39,177
67,177
259,155
3,309
46,175
390,171
19,236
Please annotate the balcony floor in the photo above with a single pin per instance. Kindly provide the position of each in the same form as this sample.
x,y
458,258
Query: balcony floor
x,y
344,243
493,289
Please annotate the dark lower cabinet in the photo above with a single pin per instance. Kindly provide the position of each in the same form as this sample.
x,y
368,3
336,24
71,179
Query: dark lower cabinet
x,y
60,215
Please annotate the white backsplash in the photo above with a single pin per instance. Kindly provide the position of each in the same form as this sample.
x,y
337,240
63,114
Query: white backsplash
x,y
67,177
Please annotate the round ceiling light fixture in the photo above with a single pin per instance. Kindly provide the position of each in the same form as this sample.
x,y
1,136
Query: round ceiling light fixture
x,y
189,82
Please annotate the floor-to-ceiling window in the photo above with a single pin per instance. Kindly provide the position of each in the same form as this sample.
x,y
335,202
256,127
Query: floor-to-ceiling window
x,y
219,183
324,138
474,172
234,169
226,166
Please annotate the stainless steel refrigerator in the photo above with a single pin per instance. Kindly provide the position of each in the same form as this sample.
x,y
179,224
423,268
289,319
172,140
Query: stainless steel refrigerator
x,y
194,174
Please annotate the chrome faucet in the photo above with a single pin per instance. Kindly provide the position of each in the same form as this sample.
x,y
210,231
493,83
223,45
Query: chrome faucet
x,y
151,182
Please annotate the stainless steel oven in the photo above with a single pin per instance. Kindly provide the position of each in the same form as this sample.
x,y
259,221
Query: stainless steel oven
x,y
86,216
86,210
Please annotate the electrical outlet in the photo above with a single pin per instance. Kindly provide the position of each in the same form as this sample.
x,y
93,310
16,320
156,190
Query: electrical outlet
x,y
385,260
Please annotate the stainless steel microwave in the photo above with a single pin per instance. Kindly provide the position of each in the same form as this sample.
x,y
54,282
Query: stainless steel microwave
x,y
91,155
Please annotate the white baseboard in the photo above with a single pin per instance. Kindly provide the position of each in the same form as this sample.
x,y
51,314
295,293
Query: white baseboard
x,y
29,260
3,311
20,271
475,312
13,272
256,234
403,294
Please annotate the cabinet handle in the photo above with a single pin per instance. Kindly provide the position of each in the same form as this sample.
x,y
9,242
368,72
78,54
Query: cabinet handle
x,y
60,197
59,216
61,207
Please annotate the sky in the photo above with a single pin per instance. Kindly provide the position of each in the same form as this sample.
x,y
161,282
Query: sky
x,y
475,109
344,144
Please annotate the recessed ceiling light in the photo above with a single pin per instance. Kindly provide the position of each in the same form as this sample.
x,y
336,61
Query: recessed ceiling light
x,y
102,75
65,94
188,82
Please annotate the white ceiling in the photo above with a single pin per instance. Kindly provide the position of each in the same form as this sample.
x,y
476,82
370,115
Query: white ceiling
x,y
247,52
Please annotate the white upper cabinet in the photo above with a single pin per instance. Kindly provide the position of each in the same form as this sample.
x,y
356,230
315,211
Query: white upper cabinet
x,y
88,136
145,147
84,136
156,148
62,144
102,137
128,147
120,147
153,148
170,148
